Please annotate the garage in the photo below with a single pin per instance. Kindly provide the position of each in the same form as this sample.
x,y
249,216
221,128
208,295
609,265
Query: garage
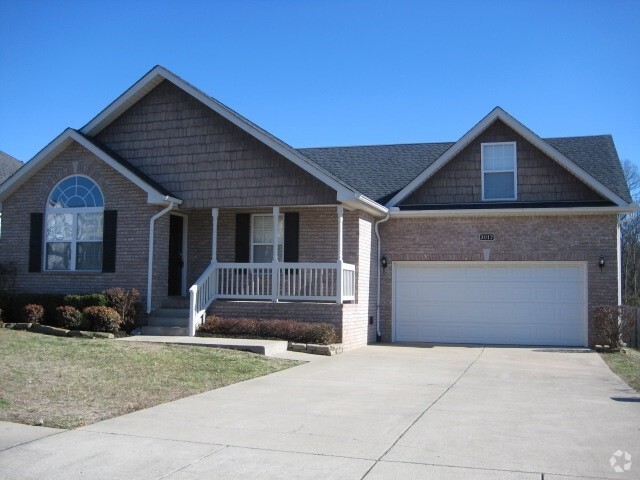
x,y
499,303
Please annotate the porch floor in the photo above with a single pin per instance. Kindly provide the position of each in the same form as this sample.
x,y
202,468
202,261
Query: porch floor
x,y
269,348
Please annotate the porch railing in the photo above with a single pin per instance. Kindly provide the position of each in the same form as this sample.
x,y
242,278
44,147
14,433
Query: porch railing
x,y
327,282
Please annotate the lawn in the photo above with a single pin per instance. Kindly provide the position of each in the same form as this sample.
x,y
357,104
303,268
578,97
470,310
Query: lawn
x,y
70,382
626,366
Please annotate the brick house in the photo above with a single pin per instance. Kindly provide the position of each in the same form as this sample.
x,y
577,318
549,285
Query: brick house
x,y
501,237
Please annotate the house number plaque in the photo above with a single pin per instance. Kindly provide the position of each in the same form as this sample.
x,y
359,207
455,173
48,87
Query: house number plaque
x,y
487,236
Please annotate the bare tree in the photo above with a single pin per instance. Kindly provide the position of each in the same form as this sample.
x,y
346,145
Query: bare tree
x,y
630,240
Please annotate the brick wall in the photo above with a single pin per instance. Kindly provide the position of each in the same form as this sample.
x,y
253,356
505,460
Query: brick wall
x,y
539,177
525,238
203,158
132,234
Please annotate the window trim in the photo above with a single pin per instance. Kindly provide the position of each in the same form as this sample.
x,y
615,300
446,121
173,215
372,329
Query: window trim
x,y
74,211
514,171
252,243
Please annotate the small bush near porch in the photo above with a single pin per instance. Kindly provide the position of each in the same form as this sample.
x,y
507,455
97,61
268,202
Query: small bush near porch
x,y
73,382
290,330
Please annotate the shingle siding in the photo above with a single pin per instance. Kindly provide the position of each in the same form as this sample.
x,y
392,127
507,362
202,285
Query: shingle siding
x,y
204,159
540,178
525,238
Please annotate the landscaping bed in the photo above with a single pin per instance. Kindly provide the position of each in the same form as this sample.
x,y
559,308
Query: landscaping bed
x,y
625,364
70,382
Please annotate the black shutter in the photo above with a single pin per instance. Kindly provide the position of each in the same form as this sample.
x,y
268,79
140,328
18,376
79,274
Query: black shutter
x,y
110,227
291,234
35,243
243,237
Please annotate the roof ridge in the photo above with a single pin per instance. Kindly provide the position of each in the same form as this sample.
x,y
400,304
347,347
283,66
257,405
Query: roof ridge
x,y
375,145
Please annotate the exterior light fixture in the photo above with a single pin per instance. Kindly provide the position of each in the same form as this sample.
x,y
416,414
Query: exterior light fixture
x,y
383,262
601,262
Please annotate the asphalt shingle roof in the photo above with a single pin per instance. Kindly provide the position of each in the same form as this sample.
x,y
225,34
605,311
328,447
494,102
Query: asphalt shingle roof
x,y
8,165
380,171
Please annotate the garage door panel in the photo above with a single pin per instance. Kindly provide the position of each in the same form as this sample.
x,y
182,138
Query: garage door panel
x,y
498,304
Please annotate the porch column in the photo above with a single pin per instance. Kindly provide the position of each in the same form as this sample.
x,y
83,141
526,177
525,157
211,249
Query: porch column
x,y
339,273
275,277
214,235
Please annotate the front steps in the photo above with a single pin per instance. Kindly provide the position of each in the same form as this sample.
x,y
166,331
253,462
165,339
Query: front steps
x,y
170,322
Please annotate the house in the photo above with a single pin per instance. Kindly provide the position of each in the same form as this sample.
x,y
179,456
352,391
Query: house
x,y
501,237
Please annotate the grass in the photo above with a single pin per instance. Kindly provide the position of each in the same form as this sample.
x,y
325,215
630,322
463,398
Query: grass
x,y
70,382
626,366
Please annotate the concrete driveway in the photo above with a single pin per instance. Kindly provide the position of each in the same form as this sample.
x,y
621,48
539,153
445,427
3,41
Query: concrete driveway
x,y
380,412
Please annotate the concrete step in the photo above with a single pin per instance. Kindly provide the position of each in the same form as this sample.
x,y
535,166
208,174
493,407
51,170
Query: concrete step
x,y
165,331
171,312
169,321
176,302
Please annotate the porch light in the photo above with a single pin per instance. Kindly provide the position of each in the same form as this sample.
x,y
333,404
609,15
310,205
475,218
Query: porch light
x,y
601,262
383,262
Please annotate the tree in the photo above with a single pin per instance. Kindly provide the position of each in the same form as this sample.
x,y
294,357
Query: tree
x,y
630,240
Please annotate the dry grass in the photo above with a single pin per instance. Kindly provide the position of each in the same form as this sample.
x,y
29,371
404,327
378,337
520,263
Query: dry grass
x,y
626,366
70,382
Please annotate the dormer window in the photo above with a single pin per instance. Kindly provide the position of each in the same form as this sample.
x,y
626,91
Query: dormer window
x,y
499,171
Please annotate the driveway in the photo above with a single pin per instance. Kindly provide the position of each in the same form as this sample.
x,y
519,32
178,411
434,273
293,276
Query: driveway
x,y
379,412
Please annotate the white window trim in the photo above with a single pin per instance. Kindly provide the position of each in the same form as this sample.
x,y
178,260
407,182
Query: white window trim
x,y
514,171
252,243
49,210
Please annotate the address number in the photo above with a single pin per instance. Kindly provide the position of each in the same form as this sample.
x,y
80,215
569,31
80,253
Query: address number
x,y
487,236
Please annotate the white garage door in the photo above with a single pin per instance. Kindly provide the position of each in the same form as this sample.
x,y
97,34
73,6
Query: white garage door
x,y
539,303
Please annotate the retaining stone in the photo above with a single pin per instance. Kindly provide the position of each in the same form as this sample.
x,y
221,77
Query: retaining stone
x,y
48,330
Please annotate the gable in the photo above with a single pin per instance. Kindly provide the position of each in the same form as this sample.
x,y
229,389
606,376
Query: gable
x,y
539,178
205,159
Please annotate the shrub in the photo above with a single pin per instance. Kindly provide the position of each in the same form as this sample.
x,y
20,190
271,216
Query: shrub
x,y
32,313
71,318
321,333
614,325
103,319
126,303
83,301
8,273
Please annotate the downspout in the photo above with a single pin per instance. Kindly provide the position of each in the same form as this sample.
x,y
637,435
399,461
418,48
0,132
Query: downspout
x,y
152,224
378,335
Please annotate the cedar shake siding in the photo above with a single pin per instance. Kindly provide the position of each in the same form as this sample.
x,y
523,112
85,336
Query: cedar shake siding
x,y
540,179
525,238
132,228
204,159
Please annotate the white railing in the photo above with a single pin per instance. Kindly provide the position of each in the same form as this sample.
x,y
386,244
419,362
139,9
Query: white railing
x,y
329,282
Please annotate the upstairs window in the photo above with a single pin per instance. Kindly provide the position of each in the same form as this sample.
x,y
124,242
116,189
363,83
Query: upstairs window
x,y
262,238
499,171
74,226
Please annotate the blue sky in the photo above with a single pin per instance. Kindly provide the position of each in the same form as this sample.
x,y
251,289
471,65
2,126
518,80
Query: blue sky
x,y
323,73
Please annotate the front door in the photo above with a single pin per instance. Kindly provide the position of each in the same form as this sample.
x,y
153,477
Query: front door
x,y
176,246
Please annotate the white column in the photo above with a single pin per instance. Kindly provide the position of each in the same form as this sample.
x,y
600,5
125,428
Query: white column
x,y
214,235
275,277
339,272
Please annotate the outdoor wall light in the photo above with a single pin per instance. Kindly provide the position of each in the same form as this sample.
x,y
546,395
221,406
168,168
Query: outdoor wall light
x,y
383,262
601,262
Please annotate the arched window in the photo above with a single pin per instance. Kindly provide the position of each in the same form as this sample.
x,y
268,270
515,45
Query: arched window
x,y
74,225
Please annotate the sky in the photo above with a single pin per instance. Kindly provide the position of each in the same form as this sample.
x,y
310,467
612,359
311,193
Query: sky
x,y
328,73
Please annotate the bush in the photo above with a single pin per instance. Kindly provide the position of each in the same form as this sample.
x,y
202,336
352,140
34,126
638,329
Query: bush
x,y
126,303
83,301
71,318
614,325
320,333
8,272
103,319
32,313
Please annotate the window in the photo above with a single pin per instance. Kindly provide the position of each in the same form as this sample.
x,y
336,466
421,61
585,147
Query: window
x,y
262,238
74,226
499,171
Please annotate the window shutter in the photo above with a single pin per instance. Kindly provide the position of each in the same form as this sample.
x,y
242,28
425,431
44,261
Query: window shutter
x,y
35,242
110,228
291,234
243,237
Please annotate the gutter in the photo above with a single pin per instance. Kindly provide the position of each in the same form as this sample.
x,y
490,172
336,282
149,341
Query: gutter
x,y
488,212
152,224
378,335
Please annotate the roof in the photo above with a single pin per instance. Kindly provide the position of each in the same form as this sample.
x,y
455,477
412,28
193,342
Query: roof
x,y
380,171
8,165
